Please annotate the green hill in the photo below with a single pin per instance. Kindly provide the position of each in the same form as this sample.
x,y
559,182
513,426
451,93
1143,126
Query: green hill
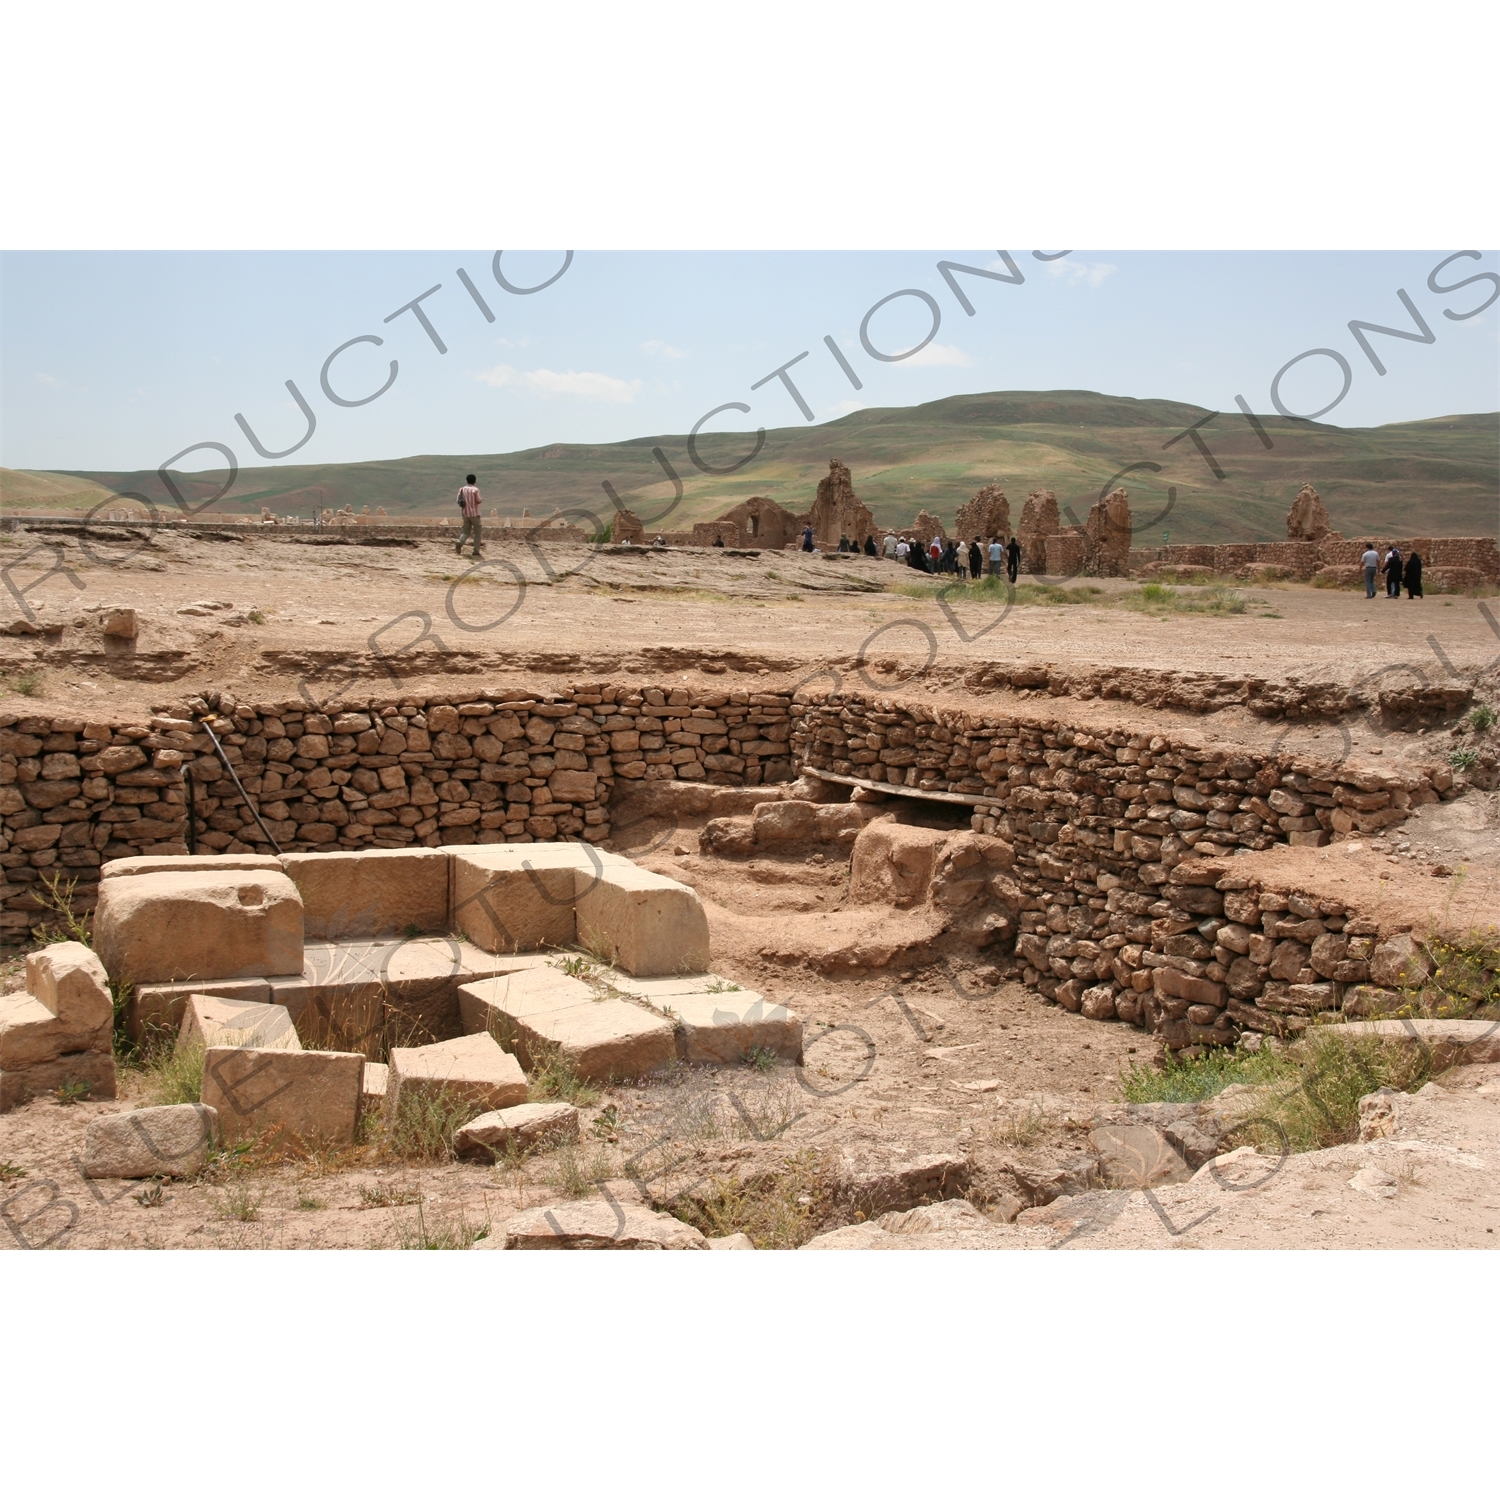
x,y
1440,476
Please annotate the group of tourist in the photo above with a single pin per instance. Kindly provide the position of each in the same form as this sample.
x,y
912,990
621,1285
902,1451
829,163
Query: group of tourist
x,y
949,555
1397,570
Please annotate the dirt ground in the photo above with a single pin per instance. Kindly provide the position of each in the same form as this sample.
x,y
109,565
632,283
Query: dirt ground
x,y
942,1058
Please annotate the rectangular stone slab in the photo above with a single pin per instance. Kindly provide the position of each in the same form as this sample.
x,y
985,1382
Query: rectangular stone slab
x,y
642,922
515,898
70,981
30,1034
601,1039
474,1067
159,1007
308,1097
198,924
494,1005
208,1021
153,864
368,995
371,892
725,1028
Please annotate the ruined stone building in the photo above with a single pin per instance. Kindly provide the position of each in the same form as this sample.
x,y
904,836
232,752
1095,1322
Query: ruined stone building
x,y
1307,520
756,522
925,527
1039,520
986,515
1106,536
837,511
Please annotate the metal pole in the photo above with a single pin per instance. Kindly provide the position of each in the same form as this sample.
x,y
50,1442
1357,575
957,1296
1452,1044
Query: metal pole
x,y
224,761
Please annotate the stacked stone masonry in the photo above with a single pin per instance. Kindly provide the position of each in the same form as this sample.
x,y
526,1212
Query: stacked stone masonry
x,y
508,767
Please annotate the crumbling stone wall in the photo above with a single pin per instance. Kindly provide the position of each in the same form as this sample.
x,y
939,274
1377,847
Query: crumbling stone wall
x,y
986,515
760,522
1039,520
1307,520
837,511
508,766
1107,537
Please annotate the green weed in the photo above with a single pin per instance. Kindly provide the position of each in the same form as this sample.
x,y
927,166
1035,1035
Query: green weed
x,y
1482,717
423,1125
452,1234
576,966
762,1059
151,1196
10,1172
241,1200
574,1173
1162,598
553,1077
28,684
307,1201
778,1210
1463,758
255,617
382,1196
174,1074
73,1093
720,987
57,897
1305,1096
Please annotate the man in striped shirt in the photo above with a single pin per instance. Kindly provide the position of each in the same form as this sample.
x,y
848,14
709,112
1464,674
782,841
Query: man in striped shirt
x,y
468,502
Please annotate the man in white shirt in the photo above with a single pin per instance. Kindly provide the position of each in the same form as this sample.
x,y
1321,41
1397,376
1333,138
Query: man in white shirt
x,y
889,549
1370,562
997,557
901,550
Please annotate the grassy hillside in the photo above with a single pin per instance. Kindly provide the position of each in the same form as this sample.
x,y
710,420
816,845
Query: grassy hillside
x,y
1440,476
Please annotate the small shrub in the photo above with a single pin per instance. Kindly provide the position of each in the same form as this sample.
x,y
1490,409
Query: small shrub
x,y
56,896
778,1210
383,1196
1463,758
1019,1127
255,617
28,684
308,1202
1482,717
423,1125
1305,1096
453,1234
552,1077
576,966
241,1200
575,1173
606,1124
73,1093
174,1074
762,1059
1465,979
151,1196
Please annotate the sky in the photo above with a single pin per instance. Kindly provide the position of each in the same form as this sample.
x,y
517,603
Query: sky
x,y
121,360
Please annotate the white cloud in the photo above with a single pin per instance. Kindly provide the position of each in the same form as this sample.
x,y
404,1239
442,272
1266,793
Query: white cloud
x,y
586,383
1075,271
51,380
939,354
667,351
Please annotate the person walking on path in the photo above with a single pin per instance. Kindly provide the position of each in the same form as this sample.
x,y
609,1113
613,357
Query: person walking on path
x,y
469,501
997,556
1012,559
1393,572
976,561
807,539
1412,574
1369,562
892,549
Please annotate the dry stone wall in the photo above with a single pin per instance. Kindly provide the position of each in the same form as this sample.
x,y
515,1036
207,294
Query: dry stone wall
x,y
504,767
